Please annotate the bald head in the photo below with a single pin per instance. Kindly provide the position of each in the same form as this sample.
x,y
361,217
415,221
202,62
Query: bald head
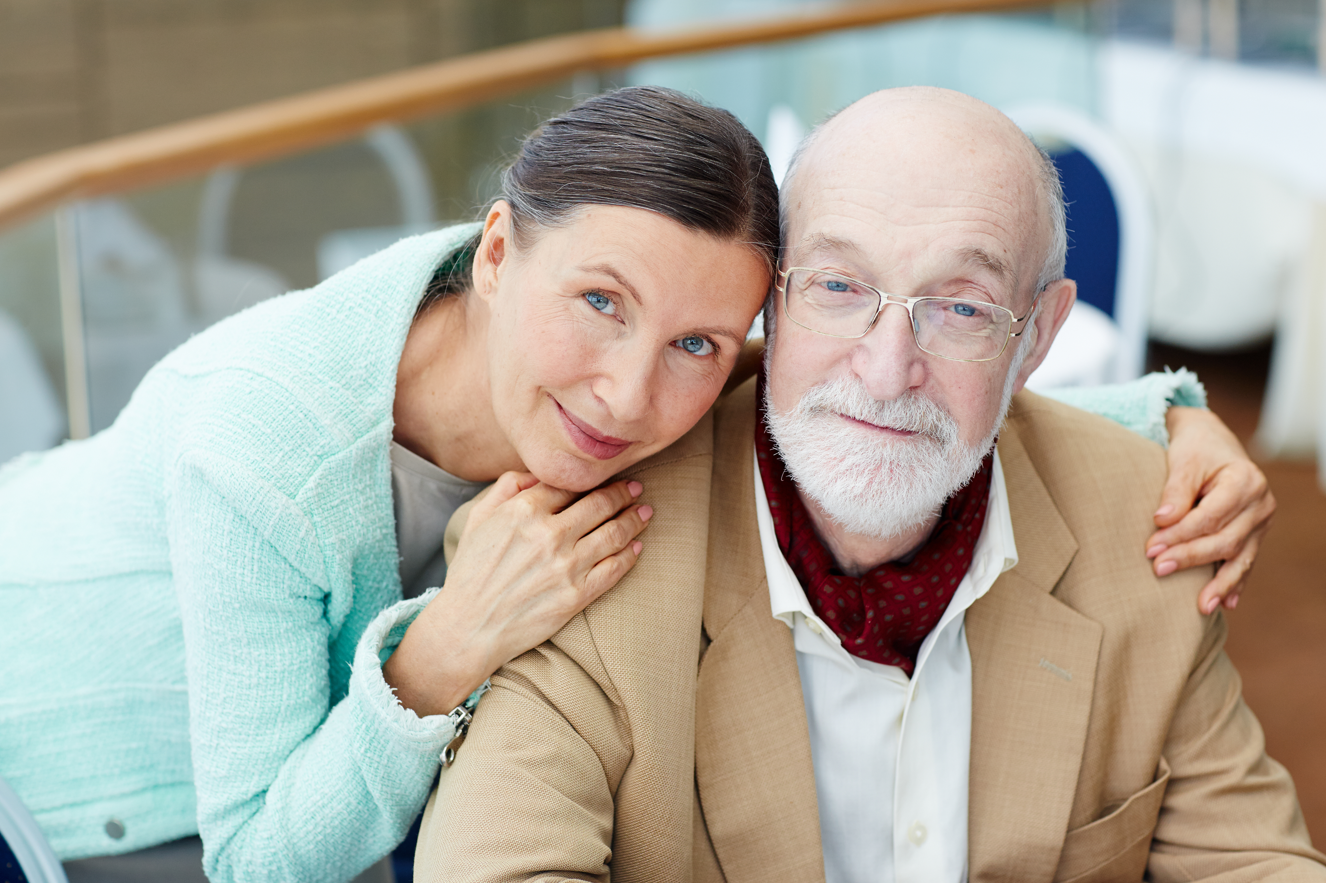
x,y
921,143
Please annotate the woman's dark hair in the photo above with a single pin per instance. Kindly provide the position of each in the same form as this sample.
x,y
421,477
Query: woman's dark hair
x,y
639,147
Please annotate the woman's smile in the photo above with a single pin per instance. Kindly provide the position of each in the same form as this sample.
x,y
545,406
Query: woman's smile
x,y
598,445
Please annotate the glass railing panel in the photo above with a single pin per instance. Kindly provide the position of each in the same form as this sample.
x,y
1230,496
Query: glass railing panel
x,y
1005,60
32,369
159,265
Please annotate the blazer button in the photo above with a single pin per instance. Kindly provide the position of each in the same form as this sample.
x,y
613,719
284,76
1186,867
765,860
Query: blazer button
x,y
115,829
917,833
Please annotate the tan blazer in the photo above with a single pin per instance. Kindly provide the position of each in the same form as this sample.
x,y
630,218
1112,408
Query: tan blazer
x,y
1109,739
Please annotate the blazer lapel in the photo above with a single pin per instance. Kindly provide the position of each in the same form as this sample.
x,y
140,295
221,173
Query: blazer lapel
x,y
1033,671
754,772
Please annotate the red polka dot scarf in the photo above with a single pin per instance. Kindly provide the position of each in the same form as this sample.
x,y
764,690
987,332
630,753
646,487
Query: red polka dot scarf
x,y
883,615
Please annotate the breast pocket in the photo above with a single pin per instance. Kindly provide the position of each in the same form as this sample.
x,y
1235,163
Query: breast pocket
x,y
1117,846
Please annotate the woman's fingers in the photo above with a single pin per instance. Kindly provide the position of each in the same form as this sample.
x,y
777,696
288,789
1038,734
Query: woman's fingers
x,y
544,499
1238,503
608,572
1227,584
1235,547
1225,498
613,536
594,508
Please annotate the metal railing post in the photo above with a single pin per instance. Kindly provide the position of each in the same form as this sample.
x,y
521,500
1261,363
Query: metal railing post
x,y
71,322
1321,36
1223,27
1189,25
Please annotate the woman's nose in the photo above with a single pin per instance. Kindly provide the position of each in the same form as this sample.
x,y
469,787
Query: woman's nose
x,y
627,385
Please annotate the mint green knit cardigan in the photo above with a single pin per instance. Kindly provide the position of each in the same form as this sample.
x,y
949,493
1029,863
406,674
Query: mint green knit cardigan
x,y
195,603
186,598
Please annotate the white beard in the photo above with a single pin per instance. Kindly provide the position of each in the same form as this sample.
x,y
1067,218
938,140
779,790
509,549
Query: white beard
x,y
868,485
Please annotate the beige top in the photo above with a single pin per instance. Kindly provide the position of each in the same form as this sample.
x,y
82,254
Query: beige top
x,y
424,497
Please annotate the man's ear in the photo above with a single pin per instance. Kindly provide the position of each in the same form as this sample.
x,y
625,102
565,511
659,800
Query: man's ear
x,y
494,251
1051,313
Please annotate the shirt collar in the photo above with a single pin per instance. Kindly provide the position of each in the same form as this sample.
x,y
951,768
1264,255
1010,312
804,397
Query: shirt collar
x,y
995,554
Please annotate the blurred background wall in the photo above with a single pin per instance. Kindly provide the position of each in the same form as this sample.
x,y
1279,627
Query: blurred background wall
x,y
73,71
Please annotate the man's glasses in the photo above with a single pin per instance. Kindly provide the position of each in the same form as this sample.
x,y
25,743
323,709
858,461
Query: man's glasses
x,y
948,327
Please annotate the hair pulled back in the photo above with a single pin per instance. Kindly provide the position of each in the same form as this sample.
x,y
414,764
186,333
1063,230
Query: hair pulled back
x,y
641,147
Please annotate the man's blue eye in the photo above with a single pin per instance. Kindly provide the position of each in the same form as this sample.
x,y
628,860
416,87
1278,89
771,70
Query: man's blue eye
x,y
696,346
836,285
966,310
601,302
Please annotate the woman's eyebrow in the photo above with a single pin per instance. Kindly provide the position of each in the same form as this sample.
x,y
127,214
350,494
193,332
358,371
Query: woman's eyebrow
x,y
609,270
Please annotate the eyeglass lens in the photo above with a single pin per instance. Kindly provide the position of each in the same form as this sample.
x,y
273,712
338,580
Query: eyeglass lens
x,y
843,307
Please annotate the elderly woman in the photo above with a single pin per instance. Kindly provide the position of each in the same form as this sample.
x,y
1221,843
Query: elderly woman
x,y
204,628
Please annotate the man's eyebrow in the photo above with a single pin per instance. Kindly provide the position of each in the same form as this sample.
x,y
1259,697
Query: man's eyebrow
x,y
991,262
823,242
609,270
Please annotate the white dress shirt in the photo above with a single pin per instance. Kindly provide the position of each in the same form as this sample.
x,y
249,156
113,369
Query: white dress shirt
x,y
891,754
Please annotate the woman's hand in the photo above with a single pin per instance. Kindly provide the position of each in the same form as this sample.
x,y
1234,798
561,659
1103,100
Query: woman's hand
x,y
1216,506
530,558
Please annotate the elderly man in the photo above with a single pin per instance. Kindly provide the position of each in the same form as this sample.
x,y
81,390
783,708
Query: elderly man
x,y
922,656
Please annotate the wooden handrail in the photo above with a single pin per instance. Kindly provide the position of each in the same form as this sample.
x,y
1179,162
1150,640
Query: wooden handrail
x,y
291,125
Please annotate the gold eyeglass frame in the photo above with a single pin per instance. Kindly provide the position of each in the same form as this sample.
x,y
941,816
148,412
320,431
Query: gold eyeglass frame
x,y
908,303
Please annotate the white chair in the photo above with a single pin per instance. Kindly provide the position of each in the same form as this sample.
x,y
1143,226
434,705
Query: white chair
x,y
1100,346
22,839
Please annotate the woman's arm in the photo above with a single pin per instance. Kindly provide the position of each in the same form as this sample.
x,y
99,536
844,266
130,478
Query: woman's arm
x,y
1216,505
289,787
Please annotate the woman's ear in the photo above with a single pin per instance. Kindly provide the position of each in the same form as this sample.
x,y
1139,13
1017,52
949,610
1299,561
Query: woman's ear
x,y
494,250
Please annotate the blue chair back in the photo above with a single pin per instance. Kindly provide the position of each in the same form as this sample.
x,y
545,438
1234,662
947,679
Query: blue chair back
x,y
1093,230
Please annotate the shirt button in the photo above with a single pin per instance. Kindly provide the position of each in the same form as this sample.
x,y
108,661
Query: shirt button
x,y
917,833
115,829
815,627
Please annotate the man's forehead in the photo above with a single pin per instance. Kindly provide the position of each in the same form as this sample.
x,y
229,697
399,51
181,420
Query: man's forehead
x,y
870,255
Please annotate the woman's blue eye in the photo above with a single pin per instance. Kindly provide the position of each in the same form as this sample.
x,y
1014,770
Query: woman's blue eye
x,y
836,285
696,346
602,303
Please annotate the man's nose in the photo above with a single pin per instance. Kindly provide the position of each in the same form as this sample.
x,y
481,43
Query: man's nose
x,y
887,359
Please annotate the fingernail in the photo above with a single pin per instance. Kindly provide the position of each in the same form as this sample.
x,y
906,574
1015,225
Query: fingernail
x,y
635,487
1156,550
1165,568
1232,601
1164,510
646,512
1210,606
637,546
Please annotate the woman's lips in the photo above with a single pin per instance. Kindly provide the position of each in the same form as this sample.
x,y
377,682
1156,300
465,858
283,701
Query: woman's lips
x,y
590,440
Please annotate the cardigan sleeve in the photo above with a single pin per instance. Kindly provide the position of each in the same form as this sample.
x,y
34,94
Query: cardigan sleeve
x,y
1139,405
289,787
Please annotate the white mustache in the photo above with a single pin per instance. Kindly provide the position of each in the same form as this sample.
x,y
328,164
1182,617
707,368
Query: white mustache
x,y
910,412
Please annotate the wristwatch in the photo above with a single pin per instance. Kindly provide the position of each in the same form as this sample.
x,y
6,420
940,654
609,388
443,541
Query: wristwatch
x,y
460,718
